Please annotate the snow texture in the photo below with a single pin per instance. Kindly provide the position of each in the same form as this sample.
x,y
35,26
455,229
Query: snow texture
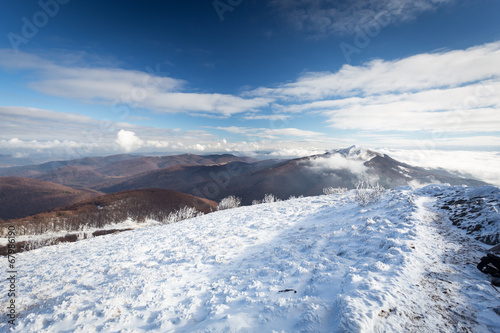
x,y
474,209
315,264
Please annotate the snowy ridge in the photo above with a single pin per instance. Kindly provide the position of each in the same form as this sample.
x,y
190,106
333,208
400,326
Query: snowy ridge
x,y
314,264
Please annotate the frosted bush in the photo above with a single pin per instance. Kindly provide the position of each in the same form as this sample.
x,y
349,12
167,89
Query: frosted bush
x,y
268,198
367,193
182,214
229,202
334,190
84,232
256,202
38,242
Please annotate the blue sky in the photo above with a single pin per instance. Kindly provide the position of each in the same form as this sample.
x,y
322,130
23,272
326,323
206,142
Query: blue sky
x,y
281,77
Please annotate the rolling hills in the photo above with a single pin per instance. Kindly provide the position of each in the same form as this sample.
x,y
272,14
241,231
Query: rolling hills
x,y
217,176
94,172
21,197
302,176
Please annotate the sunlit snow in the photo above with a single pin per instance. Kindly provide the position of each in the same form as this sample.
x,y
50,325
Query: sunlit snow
x,y
322,264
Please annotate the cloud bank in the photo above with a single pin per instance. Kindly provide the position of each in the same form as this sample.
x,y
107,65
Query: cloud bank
x,y
478,164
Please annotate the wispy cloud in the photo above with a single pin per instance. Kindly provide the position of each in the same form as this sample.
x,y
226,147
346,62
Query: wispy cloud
x,y
271,133
449,91
153,91
425,71
271,117
325,17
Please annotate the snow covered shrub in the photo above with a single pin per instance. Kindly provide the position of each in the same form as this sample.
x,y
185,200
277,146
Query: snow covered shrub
x,y
366,193
84,232
38,242
268,198
229,202
256,202
334,190
182,214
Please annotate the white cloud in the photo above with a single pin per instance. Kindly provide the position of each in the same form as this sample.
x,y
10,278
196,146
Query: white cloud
x,y
157,144
324,17
296,152
16,143
448,91
199,147
479,164
353,163
128,141
270,133
25,130
446,69
270,117
339,162
114,86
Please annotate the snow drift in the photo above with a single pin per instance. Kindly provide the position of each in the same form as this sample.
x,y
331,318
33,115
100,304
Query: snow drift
x,y
321,264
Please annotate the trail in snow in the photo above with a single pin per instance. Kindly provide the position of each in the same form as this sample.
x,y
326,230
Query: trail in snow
x,y
397,265
448,279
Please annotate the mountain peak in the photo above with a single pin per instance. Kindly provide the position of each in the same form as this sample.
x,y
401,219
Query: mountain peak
x,y
355,152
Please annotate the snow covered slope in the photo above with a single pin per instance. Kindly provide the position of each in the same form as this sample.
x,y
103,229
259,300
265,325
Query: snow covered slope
x,y
315,264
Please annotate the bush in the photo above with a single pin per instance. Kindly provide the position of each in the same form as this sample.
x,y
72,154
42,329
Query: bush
x,y
334,190
182,214
366,193
229,202
38,242
268,198
256,202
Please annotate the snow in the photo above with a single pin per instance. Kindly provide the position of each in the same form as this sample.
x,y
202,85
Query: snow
x,y
85,232
393,266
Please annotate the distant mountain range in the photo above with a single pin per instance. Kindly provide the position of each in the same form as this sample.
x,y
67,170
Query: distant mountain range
x,y
20,197
217,176
97,172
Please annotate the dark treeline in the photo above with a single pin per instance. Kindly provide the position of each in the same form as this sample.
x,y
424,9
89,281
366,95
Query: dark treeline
x,y
138,206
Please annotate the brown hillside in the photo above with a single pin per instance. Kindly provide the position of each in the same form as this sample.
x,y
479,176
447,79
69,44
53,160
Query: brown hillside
x,y
99,172
169,200
97,212
20,197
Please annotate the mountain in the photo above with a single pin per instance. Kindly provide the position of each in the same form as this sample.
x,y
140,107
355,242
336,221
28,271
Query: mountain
x,y
217,176
296,177
97,212
186,178
10,160
20,197
314,264
94,172
337,168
